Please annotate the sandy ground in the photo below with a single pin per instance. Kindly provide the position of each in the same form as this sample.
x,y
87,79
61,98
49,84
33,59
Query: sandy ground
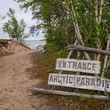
x,y
15,82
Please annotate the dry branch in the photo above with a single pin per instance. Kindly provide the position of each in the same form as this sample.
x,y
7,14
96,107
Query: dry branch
x,y
77,29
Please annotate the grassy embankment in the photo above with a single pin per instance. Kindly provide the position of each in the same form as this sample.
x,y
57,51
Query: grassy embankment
x,y
45,63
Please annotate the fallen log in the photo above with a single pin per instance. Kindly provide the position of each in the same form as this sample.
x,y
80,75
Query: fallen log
x,y
63,93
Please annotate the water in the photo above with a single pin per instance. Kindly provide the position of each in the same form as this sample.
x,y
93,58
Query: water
x,y
4,35
35,40
34,44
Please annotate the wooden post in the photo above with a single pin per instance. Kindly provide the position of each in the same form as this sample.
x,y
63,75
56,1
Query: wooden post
x,y
101,10
106,57
98,11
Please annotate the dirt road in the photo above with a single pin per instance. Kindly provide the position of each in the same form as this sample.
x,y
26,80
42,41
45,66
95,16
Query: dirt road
x,y
16,80
15,83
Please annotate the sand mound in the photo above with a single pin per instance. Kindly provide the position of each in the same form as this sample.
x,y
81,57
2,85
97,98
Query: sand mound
x,y
11,47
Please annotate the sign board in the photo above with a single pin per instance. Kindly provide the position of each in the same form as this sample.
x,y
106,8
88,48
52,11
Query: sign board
x,y
79,81
85,66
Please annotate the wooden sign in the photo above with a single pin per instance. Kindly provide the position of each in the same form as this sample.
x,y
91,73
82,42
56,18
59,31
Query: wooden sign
x,y
79,81
85,66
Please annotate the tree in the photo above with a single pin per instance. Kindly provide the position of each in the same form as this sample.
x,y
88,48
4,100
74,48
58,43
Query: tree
x,y
14,28
67,20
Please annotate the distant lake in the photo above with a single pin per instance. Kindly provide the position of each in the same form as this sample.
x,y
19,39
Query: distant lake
x,y
34,44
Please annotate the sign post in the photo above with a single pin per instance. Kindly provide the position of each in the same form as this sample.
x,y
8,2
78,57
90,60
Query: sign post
x,y
88,78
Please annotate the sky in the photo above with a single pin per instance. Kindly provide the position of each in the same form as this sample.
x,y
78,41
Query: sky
x,y
4,7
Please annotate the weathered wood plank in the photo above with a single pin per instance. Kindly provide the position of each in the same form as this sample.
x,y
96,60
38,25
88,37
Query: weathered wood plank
x,y
79,81
86,66
88,49
63,93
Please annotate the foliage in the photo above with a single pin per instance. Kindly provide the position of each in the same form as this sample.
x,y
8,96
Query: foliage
x,y
60,32
14,28
58,20
66,20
